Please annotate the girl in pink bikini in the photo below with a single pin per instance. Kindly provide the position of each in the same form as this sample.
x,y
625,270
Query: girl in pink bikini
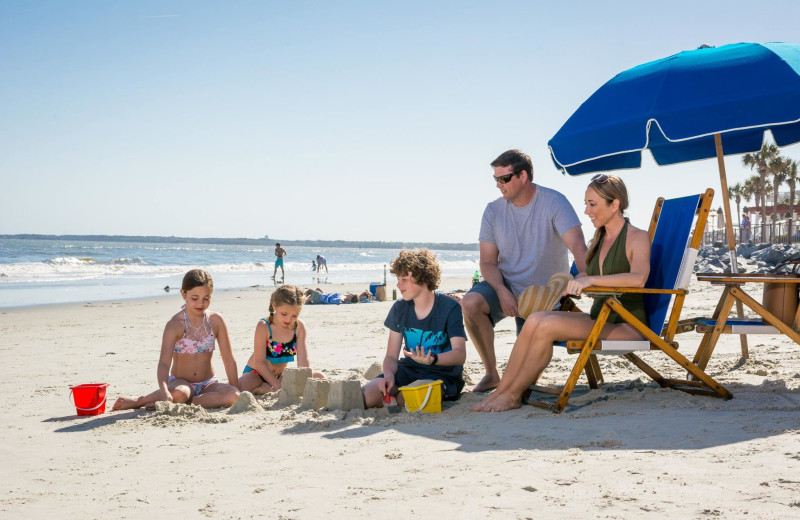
x,y
188,345
278,340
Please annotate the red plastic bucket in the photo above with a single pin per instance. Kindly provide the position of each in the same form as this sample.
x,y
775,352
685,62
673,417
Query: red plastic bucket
x,y
89,399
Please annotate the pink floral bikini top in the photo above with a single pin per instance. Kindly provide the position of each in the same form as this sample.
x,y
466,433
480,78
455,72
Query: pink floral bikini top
x,y
195,340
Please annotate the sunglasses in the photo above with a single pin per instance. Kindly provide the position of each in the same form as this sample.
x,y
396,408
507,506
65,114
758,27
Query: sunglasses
x,y
600,178
505,178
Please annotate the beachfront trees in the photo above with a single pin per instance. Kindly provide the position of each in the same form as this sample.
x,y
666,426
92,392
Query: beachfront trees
x,y
760,162
791,181
747,190
735,193
758,191
777,168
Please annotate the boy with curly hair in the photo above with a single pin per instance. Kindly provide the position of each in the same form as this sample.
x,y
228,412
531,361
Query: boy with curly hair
x,y
429,327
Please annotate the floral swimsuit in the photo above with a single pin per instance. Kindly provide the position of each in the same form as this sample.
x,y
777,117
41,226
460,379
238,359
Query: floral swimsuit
x,y
277,353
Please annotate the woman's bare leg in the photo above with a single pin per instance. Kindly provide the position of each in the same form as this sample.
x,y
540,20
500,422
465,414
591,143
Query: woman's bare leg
x,y
529,366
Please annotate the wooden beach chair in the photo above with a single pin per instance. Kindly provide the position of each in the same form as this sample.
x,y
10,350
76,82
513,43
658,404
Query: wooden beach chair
x,y
674,249
721,322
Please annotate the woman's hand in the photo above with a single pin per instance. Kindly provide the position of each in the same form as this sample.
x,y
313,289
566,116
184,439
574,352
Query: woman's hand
x,y
576,287
418,354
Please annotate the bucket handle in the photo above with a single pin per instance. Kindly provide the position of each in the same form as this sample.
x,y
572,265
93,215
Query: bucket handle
x,y
71,400
424,401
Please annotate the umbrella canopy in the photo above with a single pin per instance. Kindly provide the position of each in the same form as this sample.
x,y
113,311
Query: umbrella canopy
x,y
674,107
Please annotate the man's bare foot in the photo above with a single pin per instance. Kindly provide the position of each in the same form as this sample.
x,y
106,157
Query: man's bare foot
x,y
500,403
124,403
489,382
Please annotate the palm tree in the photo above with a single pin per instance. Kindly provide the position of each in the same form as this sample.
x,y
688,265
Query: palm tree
x,y
735,193
791,181
747,190
759,191
766,190
777,167
760,162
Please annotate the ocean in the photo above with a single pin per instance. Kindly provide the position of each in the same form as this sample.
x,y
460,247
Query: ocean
x,y
47,271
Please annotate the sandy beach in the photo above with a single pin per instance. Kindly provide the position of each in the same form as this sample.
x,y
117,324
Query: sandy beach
x,y
627,450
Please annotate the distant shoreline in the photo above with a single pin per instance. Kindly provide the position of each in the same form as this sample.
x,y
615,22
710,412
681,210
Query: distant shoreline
x,y
266,241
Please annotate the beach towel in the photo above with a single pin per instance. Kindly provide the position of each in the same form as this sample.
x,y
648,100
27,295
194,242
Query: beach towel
x,y
332,298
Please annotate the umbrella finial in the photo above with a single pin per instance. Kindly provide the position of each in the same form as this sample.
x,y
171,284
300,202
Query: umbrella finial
x,y
706,46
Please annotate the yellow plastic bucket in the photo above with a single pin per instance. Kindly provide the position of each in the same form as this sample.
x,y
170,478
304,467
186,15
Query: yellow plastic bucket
x,y
423,395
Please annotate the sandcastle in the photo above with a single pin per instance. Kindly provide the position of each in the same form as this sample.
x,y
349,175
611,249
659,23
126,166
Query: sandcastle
x,y
345,395
297,384
316,394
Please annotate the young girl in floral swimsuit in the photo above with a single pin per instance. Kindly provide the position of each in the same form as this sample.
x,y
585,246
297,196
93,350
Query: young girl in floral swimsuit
x,y
278,339
188,346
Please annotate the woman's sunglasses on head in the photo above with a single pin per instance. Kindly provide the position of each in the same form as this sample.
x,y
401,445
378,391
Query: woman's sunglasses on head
x,y
600,178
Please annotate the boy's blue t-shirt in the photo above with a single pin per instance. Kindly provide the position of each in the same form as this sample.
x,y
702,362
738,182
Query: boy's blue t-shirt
x,y
433,332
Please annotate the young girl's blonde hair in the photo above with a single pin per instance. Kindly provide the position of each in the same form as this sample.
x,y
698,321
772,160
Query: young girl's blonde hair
x,y
286,295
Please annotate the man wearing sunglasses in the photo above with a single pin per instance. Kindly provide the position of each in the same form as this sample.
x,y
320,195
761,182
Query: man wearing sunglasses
x,y
524,238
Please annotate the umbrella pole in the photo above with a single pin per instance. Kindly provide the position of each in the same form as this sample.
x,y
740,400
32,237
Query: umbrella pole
x,y
729,232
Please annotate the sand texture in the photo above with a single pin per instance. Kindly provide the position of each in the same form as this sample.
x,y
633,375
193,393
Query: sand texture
x,y
628,450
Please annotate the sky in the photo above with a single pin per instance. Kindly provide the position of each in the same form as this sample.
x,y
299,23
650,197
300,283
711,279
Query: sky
x,y
348,120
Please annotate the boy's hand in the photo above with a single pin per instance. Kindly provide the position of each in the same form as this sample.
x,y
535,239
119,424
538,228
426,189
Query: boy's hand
x,y
384,385
418,354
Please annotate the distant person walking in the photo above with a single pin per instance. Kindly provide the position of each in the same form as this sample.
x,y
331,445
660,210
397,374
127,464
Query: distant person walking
x,y
321,262
279,253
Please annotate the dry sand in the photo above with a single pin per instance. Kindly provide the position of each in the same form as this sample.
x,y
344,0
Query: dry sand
x,y
628,450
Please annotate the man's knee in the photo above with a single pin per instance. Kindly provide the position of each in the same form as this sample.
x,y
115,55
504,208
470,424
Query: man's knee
x,y
474,305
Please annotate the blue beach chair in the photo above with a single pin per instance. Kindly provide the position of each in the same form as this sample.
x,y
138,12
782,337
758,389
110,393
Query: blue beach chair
x,y
674,248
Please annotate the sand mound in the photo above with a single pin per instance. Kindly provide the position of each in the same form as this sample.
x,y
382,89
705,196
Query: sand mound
x,y
172,413
246,403
373,371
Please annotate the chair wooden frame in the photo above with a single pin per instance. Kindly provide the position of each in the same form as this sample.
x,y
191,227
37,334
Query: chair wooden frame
x,y
733,293
675,287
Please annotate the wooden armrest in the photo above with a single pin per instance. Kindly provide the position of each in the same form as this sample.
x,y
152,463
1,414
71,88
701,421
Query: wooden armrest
x,y
740,278
632,290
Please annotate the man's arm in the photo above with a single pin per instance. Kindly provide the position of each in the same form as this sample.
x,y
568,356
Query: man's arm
x,y
492,275
573,239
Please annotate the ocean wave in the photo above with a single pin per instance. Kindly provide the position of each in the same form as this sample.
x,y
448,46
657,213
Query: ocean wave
x,y
127,261
75,268
73,261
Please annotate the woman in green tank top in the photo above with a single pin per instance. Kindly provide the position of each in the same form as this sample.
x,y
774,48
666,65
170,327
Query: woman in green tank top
x,y
618,256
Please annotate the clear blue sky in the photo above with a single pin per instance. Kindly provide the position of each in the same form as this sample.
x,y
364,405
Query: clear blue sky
x,y
355,120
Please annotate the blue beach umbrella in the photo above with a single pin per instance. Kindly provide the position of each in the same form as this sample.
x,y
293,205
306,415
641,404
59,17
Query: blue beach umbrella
x,y
684,108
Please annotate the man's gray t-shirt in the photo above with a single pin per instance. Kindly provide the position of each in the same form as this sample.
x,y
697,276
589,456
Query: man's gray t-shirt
x,y
529,238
